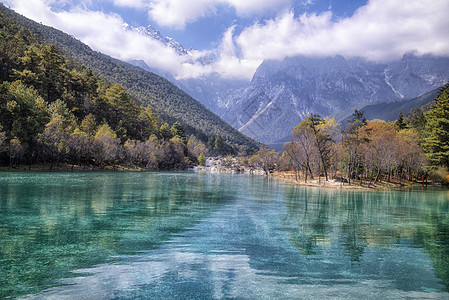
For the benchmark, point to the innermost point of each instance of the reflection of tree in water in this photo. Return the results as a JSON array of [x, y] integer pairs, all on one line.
[[313, 228], [357, 220], [354, 236], [435, 240], [65, 224]]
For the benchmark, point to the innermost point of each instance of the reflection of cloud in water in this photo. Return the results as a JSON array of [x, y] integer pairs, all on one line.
[[231, 276], [241, 251]]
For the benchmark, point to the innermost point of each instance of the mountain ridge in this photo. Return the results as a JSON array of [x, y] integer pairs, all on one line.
[[280, 94], [389, 111]]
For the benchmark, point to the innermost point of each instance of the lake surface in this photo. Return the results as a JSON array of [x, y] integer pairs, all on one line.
[[204, 236]]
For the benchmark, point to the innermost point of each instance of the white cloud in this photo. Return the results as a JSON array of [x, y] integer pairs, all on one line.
[[106, 33], [177, 13], [131, 3], [381, 30], [251, 7]]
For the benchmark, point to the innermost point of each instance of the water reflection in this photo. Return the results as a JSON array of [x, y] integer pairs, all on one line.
[[358, 221], [190, 236], [52, 223]]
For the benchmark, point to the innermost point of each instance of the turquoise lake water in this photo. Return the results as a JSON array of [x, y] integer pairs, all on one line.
[[139, 235]]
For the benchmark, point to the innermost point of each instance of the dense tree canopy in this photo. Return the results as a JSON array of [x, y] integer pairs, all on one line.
[[62, 102], [436, 143]]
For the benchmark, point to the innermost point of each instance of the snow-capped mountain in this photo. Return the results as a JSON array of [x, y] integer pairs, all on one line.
[[156, 35], [282, 93], [212, 90]]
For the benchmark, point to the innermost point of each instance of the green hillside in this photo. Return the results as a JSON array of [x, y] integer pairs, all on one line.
[[168, 101]]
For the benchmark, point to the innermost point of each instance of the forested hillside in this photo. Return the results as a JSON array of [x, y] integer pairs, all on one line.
[[54, 109], [168, 101]]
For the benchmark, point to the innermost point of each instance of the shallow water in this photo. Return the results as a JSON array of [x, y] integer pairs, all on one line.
[[203, 236]]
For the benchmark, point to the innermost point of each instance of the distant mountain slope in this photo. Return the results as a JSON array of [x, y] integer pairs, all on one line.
[[389, 111], [214, 91], [167, 100], [283, 92]]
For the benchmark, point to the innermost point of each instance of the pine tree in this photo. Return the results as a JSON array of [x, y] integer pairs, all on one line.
[[165, 132], [52, 73], [353, 141], [202, 159], [436, 144], [400, 123], [219, 144], [178, 131]]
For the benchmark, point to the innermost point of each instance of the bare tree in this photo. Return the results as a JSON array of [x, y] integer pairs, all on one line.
[[265, 159], [304, 147]]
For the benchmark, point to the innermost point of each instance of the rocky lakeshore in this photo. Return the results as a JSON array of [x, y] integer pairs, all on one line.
[[230, 165]]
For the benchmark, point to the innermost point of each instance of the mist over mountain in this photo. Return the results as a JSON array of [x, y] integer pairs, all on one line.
[[212, 90], [283, 92], [215, 92]]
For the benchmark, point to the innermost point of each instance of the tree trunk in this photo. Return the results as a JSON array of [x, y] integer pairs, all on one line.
[[349, 170], [377, 176], [306, 171], [310, 170]]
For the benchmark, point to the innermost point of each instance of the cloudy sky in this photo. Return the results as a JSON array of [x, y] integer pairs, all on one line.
[[239, 34]]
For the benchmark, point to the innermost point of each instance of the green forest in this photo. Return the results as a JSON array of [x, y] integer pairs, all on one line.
[[167, 101], [54, 110]]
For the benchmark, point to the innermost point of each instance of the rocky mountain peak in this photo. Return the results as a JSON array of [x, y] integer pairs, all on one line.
[[283, 92], [156, 35]]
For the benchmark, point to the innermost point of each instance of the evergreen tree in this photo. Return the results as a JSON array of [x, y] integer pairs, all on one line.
[[400, 123], [202, 159], [178, 131], [219, 144], [436, 144], [52, 73], [165, 132], [322, 138], [353, 141]]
